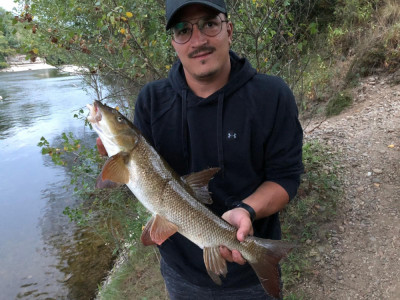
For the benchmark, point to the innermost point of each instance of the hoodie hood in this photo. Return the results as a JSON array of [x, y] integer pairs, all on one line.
[[241, 72]]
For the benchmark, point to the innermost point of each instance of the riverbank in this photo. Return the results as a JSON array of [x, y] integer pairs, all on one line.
[[19, 63], [27, 67], [43, 66]]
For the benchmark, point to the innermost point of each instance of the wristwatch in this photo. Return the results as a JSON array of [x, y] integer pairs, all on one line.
[[246, 207]]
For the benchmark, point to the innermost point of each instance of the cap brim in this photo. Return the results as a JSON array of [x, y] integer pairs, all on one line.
[[205, 3]]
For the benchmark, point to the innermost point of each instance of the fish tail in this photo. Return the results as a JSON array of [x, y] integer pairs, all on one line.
[[266, 265]]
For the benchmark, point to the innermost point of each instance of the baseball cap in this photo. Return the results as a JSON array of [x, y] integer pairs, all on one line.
[[172, 7]]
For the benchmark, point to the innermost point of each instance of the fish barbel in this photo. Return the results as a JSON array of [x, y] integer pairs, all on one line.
[[178, 203]]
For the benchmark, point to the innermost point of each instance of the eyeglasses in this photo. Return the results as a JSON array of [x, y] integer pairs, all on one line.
[[210, 26]]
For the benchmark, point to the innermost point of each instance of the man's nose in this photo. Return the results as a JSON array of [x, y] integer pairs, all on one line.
[[197, 36]]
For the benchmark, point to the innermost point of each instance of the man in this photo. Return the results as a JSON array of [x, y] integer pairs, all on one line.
[[214, 110]]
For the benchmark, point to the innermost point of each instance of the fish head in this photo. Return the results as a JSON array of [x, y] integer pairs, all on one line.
[[116, 132]]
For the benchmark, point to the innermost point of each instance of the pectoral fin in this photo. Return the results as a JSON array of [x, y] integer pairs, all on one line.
[[157, 230], [215, 263], [106, 184], [198, 182], [115, 169]]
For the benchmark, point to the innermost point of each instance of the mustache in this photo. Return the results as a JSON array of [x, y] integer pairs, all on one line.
[[200, 50]]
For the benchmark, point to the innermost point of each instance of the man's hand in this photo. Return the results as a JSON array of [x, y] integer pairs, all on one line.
[[239, 218], [100, 147]]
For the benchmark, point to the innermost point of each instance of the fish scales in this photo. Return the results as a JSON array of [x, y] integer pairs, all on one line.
[[166, 196]]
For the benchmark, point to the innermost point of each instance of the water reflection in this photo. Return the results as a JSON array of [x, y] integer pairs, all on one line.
[[42, 254], [83, 257], [24, 117]]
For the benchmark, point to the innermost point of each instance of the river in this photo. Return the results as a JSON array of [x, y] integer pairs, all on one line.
[[42, 254]]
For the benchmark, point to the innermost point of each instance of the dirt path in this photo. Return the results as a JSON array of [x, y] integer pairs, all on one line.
[[358, 256]]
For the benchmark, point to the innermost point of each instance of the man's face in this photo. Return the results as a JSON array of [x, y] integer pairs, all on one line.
[[204, 57]]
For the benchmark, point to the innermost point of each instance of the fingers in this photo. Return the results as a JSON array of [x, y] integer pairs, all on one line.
[[238, 258], [226, 253], [232, 256]]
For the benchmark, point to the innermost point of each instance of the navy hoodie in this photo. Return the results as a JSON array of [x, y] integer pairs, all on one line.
[[249, 128]]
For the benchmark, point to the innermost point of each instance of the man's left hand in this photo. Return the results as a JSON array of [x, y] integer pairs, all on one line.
[[239, 218]]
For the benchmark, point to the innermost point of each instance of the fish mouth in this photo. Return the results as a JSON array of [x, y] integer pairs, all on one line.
[[94, 113]]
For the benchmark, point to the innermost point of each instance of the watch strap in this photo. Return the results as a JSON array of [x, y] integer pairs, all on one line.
[[246, 207]]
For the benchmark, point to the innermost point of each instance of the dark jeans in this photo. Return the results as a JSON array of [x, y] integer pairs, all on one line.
[[181, 289]]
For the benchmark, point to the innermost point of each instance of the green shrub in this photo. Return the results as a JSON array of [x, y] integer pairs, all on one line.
[[338, 103]]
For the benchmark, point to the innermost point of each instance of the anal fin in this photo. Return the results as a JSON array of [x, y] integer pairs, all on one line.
[[145, 238]]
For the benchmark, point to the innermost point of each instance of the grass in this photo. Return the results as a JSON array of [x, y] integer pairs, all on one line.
[[364, 41], [379, 50], [314, 206], [137, 277]]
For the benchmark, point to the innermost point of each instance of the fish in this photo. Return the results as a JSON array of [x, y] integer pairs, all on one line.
[[178, 203]]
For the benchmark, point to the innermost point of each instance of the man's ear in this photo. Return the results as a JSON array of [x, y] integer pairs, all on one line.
[[229, 28]]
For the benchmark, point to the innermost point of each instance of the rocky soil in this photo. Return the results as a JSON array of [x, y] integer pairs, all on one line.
[[358, 255]]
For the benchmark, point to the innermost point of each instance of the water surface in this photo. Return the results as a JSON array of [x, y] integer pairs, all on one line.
[[42, 254]]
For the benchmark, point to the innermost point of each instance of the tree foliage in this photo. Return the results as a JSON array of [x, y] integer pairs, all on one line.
[[124, 43], [274, 34], [6, 39]]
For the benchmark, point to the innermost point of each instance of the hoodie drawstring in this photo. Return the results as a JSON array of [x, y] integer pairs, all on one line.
[[219, 132], [185, 128]]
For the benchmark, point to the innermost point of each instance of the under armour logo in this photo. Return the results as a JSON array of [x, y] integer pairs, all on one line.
[[231, 135]]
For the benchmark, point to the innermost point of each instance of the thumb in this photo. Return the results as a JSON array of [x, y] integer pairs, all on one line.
[[245, 229]]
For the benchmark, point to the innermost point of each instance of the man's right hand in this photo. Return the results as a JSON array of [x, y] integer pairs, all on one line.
[[101, 148], [240, 218]]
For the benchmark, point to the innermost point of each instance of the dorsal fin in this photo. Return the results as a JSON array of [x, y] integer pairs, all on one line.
[[198, 182]]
